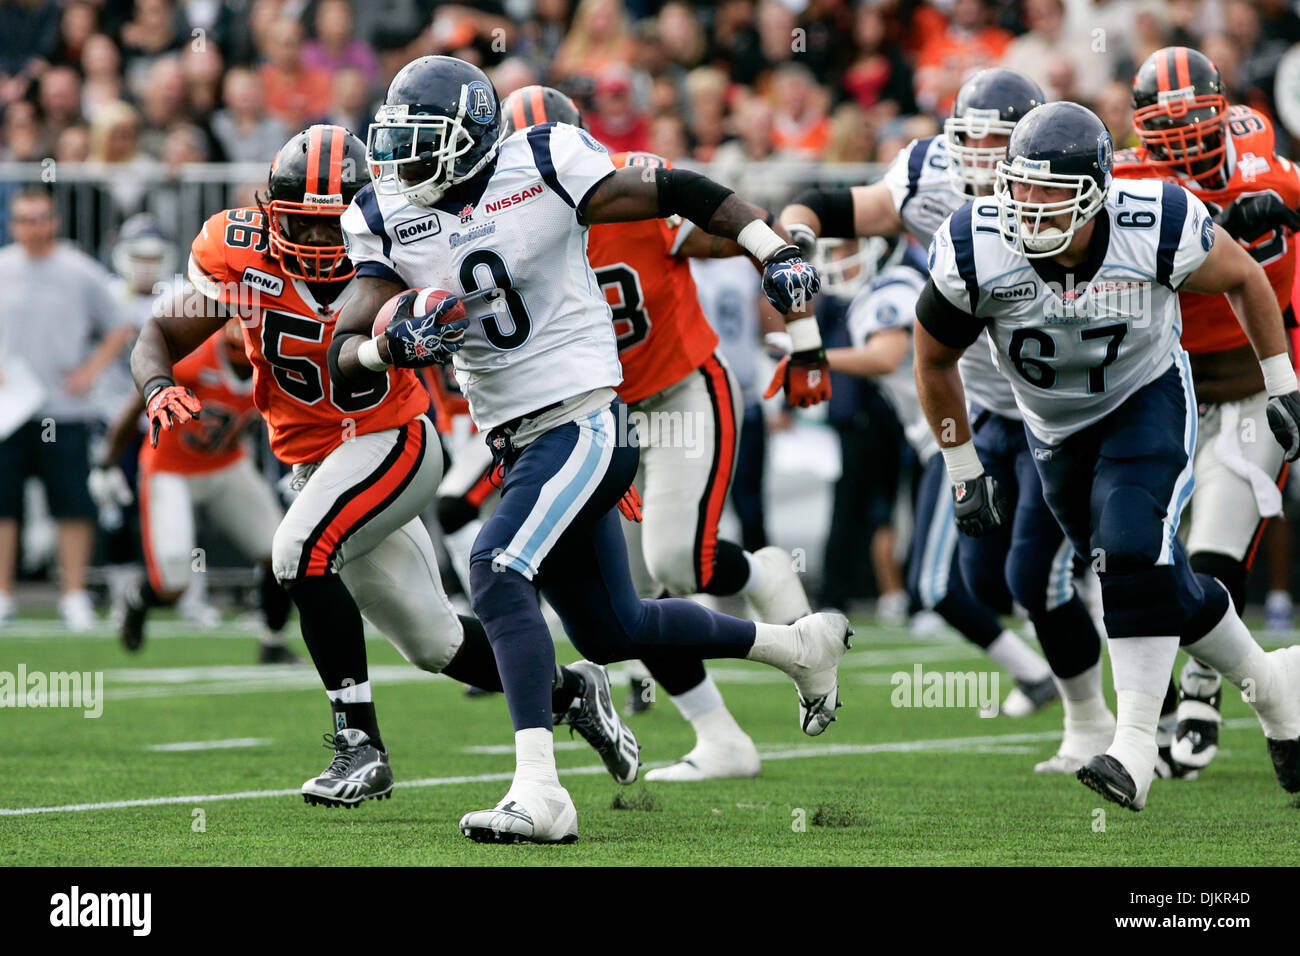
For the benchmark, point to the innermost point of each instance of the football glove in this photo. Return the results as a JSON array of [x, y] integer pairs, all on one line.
[[979, 506], [1249, 218], [109, 488], [789, 280], [170, 405], [630, 504], [804, 376], [803, 237], [420, 341], [1284, 421]]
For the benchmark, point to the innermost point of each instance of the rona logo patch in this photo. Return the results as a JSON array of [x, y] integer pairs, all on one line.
[[416, 229], [515, 199], [257, 279], [1014, 293]]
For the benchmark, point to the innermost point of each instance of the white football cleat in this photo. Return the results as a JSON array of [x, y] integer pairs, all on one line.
[[1082, 741], [528, 813], [1030, 697], [821, 640], [1196, 736], [713, 760], [78, 612], [776, 593]]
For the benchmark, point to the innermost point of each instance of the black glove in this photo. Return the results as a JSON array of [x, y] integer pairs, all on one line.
[[1284, 421], [1248, 219], [979, 506]]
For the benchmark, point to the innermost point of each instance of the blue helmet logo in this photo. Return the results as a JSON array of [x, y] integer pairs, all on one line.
[[1105, 152], [479, 103]]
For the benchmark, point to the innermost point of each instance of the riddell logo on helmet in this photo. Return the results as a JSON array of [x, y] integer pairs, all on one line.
[[322, 199]]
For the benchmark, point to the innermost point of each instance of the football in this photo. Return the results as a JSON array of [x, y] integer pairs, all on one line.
[[425, 301]]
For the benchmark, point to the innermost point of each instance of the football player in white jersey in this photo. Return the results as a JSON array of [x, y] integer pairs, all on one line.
[[928, 180], [458, 208], [1076, 278]]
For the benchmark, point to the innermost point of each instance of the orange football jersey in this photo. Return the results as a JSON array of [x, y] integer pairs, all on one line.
[[663, 335], [1208, 321], [287, 334], [213, 440]]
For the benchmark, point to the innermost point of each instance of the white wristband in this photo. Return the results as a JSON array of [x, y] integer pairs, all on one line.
[[1279, 374], [804, 334], [963, 462], [760, 241], [368, 355]]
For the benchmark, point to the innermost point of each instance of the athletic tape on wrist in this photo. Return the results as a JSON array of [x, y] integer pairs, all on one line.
[[1279, 374], [760, 241], [962, 462], [804, 334], [368, 355]]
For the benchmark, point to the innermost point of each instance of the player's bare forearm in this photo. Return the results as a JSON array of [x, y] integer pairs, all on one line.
[[880, 356], [1230, 270], [939, 388], [699, 244], [177, 327], [358, 316], [873, 213]]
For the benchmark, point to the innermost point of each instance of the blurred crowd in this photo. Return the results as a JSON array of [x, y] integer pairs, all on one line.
[[153, 84]]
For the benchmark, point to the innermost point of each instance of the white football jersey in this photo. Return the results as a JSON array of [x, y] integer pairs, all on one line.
[[550, 337], [1074, 345], [924, 196], [889, 302]]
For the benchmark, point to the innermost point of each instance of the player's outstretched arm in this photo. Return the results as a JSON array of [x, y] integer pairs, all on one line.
[[881, 355], [352, 329], [699, 244], [841, 214], [178, 326]]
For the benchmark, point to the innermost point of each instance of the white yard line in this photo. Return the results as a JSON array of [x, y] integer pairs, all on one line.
[[959, 744], [231, 744]]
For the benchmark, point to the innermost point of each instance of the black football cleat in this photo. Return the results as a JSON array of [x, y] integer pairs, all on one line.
[[276, 654], [133, 615], [1108, 777], [1286, 763], [592, 715], [640, 695]]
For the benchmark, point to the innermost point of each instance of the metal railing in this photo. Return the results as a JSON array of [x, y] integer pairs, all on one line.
[[93, 199]]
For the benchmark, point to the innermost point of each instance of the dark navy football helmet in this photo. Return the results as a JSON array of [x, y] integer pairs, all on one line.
[[439, 126], [990, 103], [533, 105], [1059, 146]]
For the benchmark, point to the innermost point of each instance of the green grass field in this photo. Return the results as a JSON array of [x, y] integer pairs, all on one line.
[[884, 785]]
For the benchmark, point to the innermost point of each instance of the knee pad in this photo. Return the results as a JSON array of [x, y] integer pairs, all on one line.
[[1230, 572], [1130, 530], [454, 513], [497, 592]]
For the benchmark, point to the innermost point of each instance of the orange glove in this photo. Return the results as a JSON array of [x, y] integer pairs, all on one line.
[[168, 406], [805, 377], [630, 504]]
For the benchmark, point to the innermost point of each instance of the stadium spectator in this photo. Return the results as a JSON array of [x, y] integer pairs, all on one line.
[[879, 78], [734, 44], [1048, 47], [101, 64], [669, 138], [115, 139], [1225, 55], [681, 35], [852, 136], [614, 118], [23, 141], [967, 44], [163, 103], [776, 34], [599, 37], [77, 25], [243, 131], [60, 100], [59, 328], [336, 46], [29, 35], [737, 162], [203, 68], [1261, 50], [298, 95], [706, 97], [1114, 104], [800, 126], [350, 105], [73, 144], [542, 36], [149, 35], [512, 74], [826, 25]]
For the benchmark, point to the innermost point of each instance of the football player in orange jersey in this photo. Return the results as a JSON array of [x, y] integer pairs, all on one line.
[[365, 460], [206, 469], [1225, 155], [687, 407]]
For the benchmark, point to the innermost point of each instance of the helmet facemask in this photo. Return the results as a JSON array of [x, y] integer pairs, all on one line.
[[1185, 132], [311, 262], [144, 262], [417, 156], [1027, 227], [847, 265], [974, 168]]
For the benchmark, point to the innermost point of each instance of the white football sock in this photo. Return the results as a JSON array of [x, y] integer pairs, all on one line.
[[1010, 652], [700, 699], [535, 756], [1141, 667], [1081, 696], [1231, 651], [752, 579], [774, 644]]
